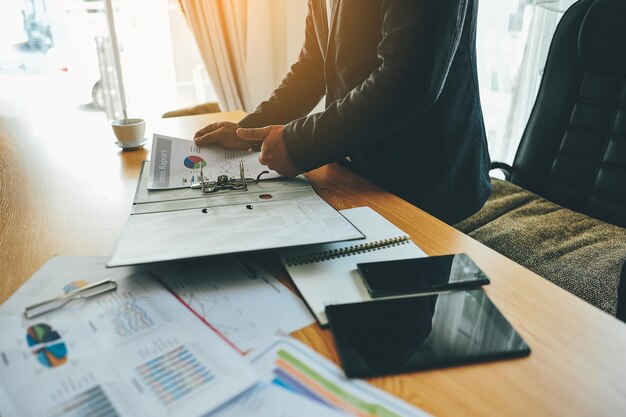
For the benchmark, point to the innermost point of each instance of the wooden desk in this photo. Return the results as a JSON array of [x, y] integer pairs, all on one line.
[[578, 360]]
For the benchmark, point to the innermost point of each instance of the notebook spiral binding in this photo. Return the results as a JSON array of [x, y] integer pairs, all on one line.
[[314, 257]]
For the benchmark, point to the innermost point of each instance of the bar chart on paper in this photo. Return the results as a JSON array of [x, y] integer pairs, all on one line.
[[129, 318], [297, 369], [124, 316], [174, 375], [93, 403], [294, 375]]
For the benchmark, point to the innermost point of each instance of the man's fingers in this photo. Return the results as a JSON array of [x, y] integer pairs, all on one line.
[[265, 157], [215, 136], [206, 139], [253, 134], [206, 129]]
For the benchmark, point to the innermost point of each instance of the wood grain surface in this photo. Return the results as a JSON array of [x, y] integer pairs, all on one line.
[[64, 192]]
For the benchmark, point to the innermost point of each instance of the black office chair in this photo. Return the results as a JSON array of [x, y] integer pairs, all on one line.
[[572, 153]]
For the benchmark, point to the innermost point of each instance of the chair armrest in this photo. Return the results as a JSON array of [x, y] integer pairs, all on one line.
[[505, 168]]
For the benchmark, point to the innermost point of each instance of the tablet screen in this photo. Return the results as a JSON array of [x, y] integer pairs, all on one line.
[[406, 334]]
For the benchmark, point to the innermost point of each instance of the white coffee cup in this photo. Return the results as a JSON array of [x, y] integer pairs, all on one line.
[[129, 132]]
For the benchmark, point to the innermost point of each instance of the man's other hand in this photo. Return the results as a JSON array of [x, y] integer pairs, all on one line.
[[273, 151], [224, 134]]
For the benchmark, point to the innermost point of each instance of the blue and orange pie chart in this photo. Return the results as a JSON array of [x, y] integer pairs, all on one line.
[[46, 345]]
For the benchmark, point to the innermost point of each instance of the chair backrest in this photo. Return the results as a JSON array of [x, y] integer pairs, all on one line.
[[573, 151]]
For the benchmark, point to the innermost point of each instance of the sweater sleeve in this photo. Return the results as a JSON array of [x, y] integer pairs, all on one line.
[[301, 89], [419, 41]]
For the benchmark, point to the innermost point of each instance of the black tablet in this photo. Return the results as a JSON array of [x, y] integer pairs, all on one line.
[[421, 275], [421, 332]]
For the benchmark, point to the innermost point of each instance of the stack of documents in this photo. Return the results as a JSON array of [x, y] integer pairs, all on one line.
[[143, 350], [134, 351]]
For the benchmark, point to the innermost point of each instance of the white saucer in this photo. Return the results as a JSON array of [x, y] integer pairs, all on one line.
[[139, 145]]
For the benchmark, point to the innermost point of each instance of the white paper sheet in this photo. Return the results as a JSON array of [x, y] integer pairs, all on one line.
[[177, 162], [134, 351], [237, 297]]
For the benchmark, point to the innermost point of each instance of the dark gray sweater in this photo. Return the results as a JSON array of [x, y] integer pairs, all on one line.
[[402, 100]]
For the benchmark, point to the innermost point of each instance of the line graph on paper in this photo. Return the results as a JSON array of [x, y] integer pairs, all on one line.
[[127, 317], [230, 166], [217, 309]]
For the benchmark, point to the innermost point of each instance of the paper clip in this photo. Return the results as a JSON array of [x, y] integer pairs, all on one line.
[[86, 292]]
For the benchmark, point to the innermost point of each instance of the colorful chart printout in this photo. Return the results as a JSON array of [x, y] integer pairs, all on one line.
[[296, 376], [91, 403], [74, 285], [46, 344], [174, 375], [194, 162]]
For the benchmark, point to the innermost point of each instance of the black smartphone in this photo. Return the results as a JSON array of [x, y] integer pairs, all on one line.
[[421, 275]]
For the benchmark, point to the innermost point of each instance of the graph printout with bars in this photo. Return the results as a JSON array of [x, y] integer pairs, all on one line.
[[174, 375], [93, 403], [133, 351], [327, 273], [303, 375]]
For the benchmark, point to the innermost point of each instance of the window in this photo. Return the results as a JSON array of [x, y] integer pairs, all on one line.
[[512, 45], [63, 48]]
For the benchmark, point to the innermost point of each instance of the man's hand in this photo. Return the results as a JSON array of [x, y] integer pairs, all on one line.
[[224, 134], [273, 151]]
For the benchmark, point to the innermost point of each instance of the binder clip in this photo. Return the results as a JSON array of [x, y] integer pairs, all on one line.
[[223, 182]]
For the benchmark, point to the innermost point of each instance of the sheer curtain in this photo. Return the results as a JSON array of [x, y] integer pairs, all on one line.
[[512, 44], [220, 30]]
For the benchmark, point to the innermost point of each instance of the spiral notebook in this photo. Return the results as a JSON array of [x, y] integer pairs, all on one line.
[[327, 274]]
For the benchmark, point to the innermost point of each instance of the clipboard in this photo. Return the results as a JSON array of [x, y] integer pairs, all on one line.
[[186, 223]]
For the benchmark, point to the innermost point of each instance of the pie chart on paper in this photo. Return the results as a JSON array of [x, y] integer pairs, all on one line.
[[46, 345], [194, 162], [74, 285]]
